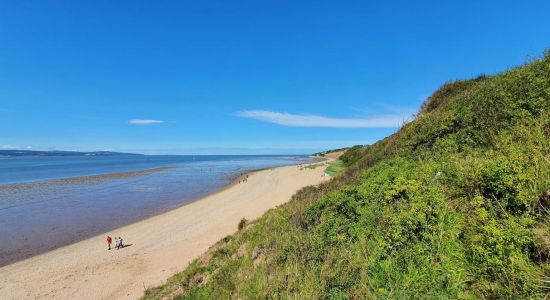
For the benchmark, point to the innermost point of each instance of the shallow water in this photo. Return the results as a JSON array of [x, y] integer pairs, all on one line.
[[48, 202]]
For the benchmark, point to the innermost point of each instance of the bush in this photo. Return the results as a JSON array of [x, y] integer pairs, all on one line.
[[242, 223]]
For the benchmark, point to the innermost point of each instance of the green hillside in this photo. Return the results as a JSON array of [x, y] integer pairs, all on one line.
[[453, 205]]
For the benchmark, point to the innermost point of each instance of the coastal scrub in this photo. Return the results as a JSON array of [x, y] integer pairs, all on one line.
[[453, 205]]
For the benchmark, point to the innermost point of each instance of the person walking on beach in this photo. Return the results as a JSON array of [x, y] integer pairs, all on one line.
[[119, 243], [109, 241]]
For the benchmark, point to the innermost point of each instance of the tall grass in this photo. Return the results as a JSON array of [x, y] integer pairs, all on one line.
[[335, 167]]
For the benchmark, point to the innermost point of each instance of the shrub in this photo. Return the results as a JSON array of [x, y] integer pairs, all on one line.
[[242, 223]]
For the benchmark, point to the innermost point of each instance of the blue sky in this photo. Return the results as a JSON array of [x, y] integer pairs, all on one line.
[[217, 77]]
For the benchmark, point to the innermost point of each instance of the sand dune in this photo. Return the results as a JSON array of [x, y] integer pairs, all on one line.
[[160, 246]]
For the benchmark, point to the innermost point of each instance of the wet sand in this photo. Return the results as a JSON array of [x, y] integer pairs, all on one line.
[[14, 187], [158, 247]]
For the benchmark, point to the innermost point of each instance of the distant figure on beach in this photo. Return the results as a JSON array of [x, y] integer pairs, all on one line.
[[120, 244], [109, 241]]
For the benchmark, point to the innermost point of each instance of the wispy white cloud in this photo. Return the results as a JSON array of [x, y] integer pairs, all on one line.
[[9, 147], [308, 120], [144, 122]]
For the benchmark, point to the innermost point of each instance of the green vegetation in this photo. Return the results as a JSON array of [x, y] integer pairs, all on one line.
[[335, 167], [352, 155], [312, 166], [242, 223], [453, 205]]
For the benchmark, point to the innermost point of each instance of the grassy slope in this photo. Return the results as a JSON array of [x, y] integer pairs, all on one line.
[[451, 206], [335, 167]]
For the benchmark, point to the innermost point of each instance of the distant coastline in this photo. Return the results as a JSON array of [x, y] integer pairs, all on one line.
[[17, 153]]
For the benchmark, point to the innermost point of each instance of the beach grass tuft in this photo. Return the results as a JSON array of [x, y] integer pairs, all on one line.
[[242, 223]]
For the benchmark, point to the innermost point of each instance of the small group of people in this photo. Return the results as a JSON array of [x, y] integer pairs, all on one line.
[[118, 243], [245, 179]]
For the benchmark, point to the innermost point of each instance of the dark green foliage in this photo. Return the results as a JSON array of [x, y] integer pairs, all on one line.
[[352, 155], [446, 92], [454, 205], [242, 223]]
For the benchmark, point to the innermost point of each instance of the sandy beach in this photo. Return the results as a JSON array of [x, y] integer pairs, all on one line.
[[157, 247]]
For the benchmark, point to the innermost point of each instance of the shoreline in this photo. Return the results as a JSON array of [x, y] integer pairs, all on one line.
[[165, 242], [104, 177]]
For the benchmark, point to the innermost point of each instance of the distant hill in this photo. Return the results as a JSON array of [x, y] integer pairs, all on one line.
[[454, 205], [335, 153], [12, 153]]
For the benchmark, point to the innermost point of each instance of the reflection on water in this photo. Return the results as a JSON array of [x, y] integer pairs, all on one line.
[[37, 215]]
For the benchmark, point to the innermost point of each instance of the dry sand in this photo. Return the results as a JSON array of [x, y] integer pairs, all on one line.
[[160, 246]]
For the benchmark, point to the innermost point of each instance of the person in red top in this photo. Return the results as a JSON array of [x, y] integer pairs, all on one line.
[[109, 241]]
